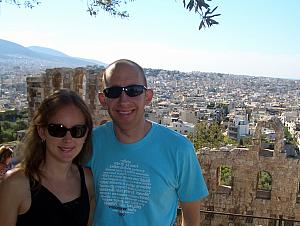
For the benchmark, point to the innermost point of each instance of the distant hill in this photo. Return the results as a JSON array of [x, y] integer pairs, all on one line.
[[11, 48], [47, 51], [36, 59]]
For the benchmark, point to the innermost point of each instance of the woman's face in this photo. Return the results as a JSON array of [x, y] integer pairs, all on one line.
[[62, 145]]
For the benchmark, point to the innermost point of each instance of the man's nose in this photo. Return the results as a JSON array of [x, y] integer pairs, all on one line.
[[124, 96]]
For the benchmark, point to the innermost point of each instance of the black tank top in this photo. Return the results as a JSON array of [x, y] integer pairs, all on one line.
[[47, 210]]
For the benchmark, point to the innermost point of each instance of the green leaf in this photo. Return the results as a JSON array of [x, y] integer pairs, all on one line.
[[214, 9], [190, 5]]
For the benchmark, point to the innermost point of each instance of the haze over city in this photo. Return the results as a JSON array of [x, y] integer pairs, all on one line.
[[259, 38]]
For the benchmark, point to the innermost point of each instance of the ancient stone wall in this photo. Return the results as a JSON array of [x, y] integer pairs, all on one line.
[[244, 196], [85, 81]]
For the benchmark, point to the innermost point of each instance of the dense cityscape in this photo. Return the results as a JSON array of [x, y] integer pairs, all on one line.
[[183, 99]]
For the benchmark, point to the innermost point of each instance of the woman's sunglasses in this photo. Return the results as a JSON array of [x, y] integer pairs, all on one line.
[[59, 130], [131, 91]]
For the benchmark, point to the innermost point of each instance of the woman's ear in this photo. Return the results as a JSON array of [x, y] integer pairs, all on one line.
[[41, 131], [102, 100]]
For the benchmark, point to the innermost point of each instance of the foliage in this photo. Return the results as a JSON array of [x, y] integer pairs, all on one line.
[[228, 140], [290, 140], [110, 6], [9, 129], [207, 135], [8, 135], [288, 136], [13, 115], [10, 122], [264, 181], [245, 141], [113, 7], [1, 136], [203, 9], [26, 3], [226, 176]]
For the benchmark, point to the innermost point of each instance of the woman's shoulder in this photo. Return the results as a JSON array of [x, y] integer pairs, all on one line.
[[15, 179], [15, 191]]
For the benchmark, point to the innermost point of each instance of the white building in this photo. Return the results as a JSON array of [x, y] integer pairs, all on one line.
[[239, 127], [182, 127]]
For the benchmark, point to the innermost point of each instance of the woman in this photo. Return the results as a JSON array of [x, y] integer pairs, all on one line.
[[6, 154], [50, 188]]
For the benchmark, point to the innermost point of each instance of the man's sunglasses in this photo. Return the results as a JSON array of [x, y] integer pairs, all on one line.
[[59, 130], [131, 91]]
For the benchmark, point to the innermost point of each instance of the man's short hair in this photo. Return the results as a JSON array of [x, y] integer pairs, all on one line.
[[120, 62]]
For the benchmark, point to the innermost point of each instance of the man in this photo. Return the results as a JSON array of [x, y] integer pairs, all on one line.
[[141, 169]]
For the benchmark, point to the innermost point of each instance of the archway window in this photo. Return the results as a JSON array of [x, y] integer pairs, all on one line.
[[57, 81], [225, 179], [267, 142], [264, 185]]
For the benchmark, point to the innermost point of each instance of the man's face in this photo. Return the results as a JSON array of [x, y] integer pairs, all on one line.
[[126, 112]]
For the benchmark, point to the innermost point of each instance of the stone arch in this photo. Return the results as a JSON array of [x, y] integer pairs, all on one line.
[[276, 125], [56, 80], [67, 78], [78, 81]]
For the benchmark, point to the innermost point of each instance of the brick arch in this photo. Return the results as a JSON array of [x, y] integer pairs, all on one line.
[[275, 124]]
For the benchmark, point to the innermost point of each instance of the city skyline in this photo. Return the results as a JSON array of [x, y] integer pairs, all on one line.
[[257, 38]]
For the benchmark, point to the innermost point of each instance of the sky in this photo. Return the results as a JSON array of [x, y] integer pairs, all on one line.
[[257, 37]]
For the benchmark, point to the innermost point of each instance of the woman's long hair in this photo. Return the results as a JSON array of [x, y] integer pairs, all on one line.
[[33, 148]]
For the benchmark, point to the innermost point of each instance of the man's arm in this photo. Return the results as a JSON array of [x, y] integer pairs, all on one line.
[[191, 213]]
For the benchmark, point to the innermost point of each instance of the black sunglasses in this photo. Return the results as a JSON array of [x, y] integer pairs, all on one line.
[[59, 130], [131, 91]]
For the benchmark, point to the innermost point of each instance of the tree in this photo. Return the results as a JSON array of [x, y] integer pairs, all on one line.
[[1, 135], [207, 135], [113, 7], [288, 136]]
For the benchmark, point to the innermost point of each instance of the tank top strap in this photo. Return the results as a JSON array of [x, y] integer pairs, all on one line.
[[82, 178]]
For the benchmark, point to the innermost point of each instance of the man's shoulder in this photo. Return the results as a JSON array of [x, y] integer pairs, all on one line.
[[163, 130]]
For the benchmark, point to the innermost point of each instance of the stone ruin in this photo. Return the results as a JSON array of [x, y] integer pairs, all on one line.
[[244, 196], [85, 81]]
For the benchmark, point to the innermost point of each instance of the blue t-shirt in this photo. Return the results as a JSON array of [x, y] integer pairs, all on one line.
[[141, 183]]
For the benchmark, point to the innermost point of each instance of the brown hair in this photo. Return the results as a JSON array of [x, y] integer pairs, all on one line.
[[33, 148], [5, 153]]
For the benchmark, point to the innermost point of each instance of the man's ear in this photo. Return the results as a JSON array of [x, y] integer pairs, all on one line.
[[102, 100], [149, 96]]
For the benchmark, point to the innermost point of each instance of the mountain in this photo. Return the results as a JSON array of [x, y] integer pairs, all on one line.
[[36, 59], [47, 51], [11, 48]]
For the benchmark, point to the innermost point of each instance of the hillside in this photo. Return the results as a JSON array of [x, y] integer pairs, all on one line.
[[35, 59]]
